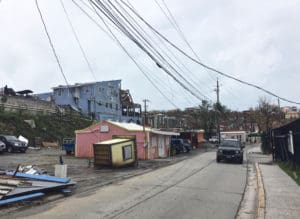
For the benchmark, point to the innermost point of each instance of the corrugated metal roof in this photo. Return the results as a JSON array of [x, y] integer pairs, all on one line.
[[113, 141], [164, 132], [130, 126]]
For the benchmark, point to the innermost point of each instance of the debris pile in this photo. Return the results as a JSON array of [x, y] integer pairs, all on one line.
[[30, 182]]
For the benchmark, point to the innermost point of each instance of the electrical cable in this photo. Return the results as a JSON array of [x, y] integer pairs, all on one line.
[[135, 62], [51, 44], [176, 26], [109, 15], [78, 41], [206, 66], [137, 26]]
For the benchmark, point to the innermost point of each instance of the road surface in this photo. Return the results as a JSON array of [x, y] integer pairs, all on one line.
[[197, 187]]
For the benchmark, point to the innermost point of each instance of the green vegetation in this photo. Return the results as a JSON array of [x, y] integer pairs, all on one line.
[[52, 127], [291, 170]]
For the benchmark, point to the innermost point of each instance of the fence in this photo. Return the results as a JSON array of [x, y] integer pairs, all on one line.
[[286, 142]]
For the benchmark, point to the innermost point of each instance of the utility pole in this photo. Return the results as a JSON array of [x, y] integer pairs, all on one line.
[[145, 112], [218, 92], [217, 110], [144, 130]]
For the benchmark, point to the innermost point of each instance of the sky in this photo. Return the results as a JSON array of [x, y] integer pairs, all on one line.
[[256, 41]]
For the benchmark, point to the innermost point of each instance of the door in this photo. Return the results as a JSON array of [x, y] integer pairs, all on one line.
[[161, 146]]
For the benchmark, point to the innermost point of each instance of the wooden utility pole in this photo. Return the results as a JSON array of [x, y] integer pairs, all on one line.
[[145, 112], [217, 109], [145, 123]]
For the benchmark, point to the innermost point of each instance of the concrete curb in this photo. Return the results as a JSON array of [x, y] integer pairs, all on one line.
[[260, 214]]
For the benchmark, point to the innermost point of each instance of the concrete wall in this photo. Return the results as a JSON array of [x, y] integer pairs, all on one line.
[[28, 104]]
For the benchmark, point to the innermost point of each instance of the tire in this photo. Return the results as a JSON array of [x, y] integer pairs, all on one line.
[[218, 160], [241, 160], [10, 149], [22, 151]]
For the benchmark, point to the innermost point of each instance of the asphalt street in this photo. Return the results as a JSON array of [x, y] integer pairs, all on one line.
[[197, 187]]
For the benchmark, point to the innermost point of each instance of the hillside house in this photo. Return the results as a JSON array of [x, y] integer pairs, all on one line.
[[101, 100]]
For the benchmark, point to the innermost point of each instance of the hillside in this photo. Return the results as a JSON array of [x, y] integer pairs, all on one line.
[[46, 127]]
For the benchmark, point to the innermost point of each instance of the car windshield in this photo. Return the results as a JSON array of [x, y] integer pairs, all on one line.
[[228, 143], [11, 138]]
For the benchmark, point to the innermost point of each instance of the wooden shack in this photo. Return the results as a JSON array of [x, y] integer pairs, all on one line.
[[115, 152]]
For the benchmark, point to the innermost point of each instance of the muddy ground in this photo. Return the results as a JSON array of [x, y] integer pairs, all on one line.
[[82, 171]]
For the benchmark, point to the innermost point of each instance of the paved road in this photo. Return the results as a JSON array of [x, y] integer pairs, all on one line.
[[194, 188]]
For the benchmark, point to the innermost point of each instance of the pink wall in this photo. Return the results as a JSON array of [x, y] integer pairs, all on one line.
[[86, 138]]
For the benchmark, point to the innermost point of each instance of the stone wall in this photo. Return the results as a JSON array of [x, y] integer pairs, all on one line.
[[27, 104]]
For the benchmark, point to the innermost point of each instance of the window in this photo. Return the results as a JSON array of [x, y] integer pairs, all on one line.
[[76, 100], [117, 107], [106, 105], [110, 105], [59, 92], [127, 152]]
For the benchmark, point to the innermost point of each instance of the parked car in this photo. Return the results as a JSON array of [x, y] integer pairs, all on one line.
[[68, 145], [180, 145], [2, 147], [214, 140], [230, 149], [187, 144], [12, 143]]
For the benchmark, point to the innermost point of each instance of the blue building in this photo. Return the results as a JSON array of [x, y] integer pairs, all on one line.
[[101, 100]]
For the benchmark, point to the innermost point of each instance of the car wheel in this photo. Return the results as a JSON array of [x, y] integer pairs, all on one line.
[[22, 151], [218, 160], [241, 161], [9, 149]]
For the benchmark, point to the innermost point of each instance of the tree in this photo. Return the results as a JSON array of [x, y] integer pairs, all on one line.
[[267, 115]]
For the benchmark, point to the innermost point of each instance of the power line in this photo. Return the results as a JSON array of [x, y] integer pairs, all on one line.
[[148, 44], [115, 21], [77, 39], [176, 26], [51, 44], [174, 62], [135, 62], [204, 65]]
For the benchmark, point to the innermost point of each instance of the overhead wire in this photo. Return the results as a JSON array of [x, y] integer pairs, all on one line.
[[165, 53], [131, 57], [160, 57], [51, 43], [204, 65], [78, 41], [180, 33], [176, 26], [137, 25], [110, 16]]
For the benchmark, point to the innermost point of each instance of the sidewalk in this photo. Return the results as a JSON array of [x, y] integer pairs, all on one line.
[[282, 194]]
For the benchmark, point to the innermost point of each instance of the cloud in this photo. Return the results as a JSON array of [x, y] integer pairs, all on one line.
[[252, 40]]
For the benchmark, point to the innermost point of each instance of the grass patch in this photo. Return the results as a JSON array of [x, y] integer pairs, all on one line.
[[291, 170]]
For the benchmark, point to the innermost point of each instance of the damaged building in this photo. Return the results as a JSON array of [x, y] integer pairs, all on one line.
[[104, 100]]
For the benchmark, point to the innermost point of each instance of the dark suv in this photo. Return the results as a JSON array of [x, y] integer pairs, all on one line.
[[13, 144], [180, 145], [230, 149]]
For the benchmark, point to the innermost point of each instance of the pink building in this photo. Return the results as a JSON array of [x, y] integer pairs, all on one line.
[[151, 143]]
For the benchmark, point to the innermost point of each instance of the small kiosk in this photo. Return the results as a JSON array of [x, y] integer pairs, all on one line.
[[115, 152]]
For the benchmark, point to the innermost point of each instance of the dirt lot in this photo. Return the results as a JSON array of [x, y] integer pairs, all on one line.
[[88, 178]]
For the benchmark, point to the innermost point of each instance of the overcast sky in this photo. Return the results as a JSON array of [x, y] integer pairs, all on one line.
[[256, 41]]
